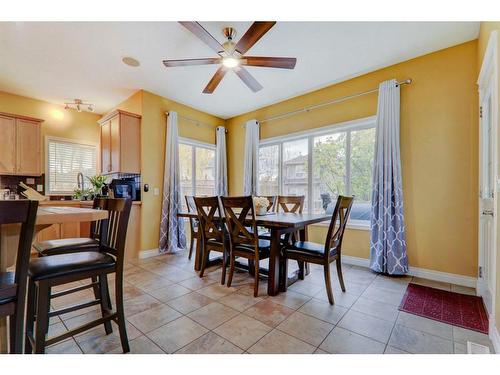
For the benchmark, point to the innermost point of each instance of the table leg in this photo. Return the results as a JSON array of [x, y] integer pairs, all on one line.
[[199, 252], [304, 237], [274, 259]]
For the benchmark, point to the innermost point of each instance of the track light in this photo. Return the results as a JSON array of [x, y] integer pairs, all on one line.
[[77, 104]]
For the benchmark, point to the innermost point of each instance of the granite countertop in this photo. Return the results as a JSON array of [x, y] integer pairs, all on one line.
[[74, 202]]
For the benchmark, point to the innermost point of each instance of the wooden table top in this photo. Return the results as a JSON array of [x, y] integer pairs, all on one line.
[[54, 215], [279, 219]]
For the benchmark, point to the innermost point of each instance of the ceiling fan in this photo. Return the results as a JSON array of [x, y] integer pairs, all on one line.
[[232, 55]]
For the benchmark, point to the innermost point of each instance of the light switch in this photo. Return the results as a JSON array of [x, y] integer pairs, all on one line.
[[30, 180], [156, 191], [39, 187]]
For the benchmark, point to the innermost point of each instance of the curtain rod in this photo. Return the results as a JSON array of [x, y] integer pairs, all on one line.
[[197, 122], [338, 100]]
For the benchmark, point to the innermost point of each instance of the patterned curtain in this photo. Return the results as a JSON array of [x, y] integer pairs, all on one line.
[[172, 235], [388, 238], [250, 172], [220, 162]]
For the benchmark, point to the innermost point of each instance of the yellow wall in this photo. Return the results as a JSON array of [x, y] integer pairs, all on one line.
[[153, 109], [438, 144], [484, 33], [59, 122]]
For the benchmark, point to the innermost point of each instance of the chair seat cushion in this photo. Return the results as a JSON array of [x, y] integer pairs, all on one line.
[[8, 287], [264, 248], [305, 248], [66, 246], [69, 264]]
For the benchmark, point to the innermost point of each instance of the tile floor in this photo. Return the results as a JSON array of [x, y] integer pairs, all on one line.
[[171, 310]]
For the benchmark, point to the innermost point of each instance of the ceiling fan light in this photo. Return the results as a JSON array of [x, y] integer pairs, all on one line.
[[230, 62]]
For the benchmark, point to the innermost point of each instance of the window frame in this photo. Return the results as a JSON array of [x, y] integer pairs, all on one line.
[[348, 127], [195, 143], [48, 139]]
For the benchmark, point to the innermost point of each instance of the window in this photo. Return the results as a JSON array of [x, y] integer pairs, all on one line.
[[65, 159], [197, 168], [322, 164]]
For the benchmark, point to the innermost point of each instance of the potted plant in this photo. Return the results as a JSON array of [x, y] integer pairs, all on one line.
[[260, 204], [97, 182]]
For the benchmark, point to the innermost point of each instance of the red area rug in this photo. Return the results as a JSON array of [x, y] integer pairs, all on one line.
[[457, 309]]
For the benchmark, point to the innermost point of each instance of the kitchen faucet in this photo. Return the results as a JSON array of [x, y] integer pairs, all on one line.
[[79, 180]]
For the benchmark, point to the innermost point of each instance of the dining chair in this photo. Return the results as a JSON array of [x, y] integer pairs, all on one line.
[[51, 271], [13, 284], [73, 245], [193, 223], [291, 203], [311, 252], [243, 236], [211, 228]]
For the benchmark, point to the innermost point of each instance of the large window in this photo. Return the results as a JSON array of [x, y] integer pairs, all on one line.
[[65, 159], [320, 165], [197, 168]]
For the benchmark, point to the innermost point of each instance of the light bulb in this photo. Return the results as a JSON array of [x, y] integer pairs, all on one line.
[[230, 62]]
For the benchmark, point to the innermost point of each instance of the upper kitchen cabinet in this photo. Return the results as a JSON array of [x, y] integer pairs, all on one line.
[[120, 143], [21, 143]]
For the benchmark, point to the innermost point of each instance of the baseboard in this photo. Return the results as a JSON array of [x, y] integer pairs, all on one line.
[[494, 335], [143, 254], [420, 272]]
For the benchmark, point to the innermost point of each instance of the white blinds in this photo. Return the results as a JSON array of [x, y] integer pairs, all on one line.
[[65, 160]]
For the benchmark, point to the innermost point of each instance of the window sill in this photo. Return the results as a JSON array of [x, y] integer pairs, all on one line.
[[353, 226]]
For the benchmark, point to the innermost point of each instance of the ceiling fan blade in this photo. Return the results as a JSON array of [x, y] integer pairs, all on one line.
[[203, 34], [214, 82], [253, 34], [270, 62], [248, 79], [186, 62]]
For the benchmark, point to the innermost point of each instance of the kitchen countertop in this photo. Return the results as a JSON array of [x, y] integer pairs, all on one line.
[[74, 202]]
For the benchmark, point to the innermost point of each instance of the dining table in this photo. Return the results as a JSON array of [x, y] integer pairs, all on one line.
[[278, 224], [46, 216]]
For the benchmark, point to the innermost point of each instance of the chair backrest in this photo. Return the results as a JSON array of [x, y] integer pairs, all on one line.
[[191, 207], [272, 202], [114, 228], [291, 203], [209, 217], [21, 212], [95, 226], [338, 224], [240, 220]]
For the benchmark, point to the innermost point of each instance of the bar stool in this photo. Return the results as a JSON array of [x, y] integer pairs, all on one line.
[[50, 271], [13, 285]]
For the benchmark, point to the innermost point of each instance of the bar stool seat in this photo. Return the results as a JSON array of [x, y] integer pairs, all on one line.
[[66, 246], [68, 264], [8, 287]]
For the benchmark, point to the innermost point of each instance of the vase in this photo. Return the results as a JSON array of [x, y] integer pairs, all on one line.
[[260, 211]]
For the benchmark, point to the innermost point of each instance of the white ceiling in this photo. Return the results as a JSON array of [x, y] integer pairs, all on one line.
[[57, 62]]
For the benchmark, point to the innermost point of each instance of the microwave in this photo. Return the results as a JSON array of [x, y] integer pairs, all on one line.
[[125, 188]]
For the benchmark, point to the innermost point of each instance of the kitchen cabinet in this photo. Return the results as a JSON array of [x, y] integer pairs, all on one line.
[[120, 143], [21, 145]]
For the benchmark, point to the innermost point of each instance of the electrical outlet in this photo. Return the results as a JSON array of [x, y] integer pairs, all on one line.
[[39, 187], [156, 191], [30, 181]]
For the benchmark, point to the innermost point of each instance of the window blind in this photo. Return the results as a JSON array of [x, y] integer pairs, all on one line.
[[65, 160]]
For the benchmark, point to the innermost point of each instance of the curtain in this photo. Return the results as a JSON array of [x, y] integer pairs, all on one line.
[[250, 172], [388, 237], [172, 235], [220, 162]]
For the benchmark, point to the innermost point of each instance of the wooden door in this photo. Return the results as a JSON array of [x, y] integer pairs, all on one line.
[[115, 144], [28, 147], [8, 148], [106, 147]]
